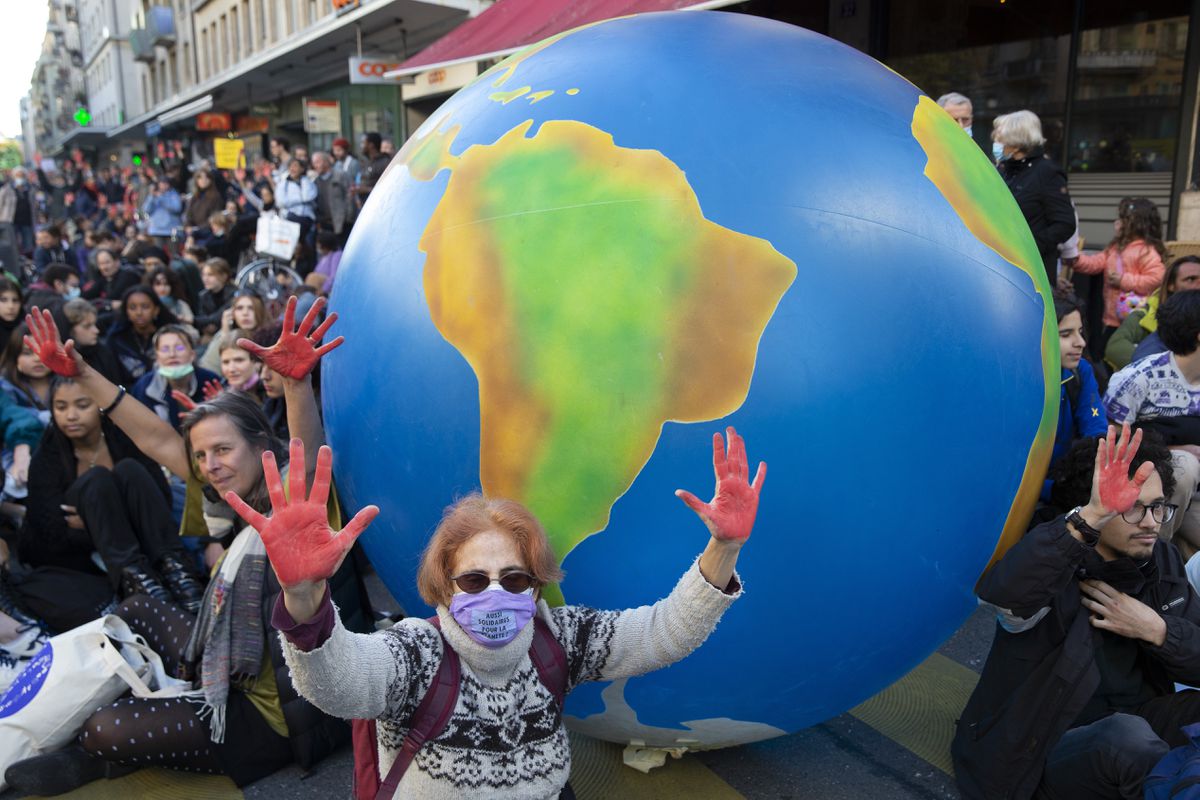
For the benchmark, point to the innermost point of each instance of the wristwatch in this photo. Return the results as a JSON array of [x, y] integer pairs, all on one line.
[[1090, 535]]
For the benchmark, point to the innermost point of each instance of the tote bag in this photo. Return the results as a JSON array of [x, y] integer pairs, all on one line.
[[276, 236]]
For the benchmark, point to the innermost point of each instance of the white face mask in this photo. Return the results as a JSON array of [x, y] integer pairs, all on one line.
[[969, 132]]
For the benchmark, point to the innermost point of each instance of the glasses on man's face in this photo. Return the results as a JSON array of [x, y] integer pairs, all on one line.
[[476, 582], [1160, 511], [167, 349]]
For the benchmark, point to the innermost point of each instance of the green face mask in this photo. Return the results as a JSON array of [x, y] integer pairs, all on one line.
[[176, 371]]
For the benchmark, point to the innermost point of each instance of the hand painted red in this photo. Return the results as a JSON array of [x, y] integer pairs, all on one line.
[[212, 389], [183, 400], [43, 339], [1116, 491], [296, 352], [729, 516], [299, 542]]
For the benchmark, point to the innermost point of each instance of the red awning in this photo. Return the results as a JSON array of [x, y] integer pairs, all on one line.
[[509, 25]]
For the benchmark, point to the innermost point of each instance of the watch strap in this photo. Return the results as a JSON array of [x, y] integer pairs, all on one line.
[[1090, 534]]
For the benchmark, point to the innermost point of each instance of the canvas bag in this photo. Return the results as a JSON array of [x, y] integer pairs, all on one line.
[[76, 673], [276, 236], [1126, 301]]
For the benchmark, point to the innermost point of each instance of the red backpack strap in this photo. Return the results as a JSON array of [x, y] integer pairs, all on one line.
[[366, 759], [430, 718], [550, 660]]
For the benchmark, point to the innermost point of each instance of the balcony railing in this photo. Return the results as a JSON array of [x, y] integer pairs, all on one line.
[[160, 24], [142, 44]]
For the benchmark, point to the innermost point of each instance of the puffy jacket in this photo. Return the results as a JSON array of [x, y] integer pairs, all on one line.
[[163, 211], [1141, 270], [1041, 670], [1040, 188]]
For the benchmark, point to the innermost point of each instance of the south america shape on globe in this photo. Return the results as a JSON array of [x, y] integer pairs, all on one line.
[[582, 281]]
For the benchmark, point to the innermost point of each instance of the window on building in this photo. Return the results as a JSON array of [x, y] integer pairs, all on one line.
[[235, 35], [289, 19], [188, 78], [223, 42], [248, 26], [175, 87], [206, 61]]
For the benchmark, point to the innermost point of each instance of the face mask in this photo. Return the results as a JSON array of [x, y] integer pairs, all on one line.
[[174, 372], [998, 152], [72, 293], [969, 132], [493, 617]]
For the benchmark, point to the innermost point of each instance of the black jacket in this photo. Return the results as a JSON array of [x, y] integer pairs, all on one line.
[[1040, 188], [1036, 682]]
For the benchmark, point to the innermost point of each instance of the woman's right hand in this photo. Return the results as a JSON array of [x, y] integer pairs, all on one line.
[[1113, 491], [301, 546], [43, 339], [227, 320]]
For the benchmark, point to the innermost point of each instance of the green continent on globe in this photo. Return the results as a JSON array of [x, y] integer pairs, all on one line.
[[594, 302], [985, 205]]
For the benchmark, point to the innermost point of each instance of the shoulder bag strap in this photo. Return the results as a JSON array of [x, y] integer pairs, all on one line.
[[430, 718], [550, 660]]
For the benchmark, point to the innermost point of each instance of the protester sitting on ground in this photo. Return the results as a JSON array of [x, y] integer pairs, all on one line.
[[241, 729], [50, 249], [76, 319], [218, 293], [1096, 623], [1162, 393], [57, 284], [329, 256], [11, 307], [92, 490], [163, 208], [274, 404], [215, 239], [244, 315], [1037, 183], [168, 285], [1080, 412], [188, 268], [20, 432], [174, 371], [1133, 261], [109, 282], [205, 201], [132, 335], [484, 544], [23, 377], [240, 370], [1138, 335]]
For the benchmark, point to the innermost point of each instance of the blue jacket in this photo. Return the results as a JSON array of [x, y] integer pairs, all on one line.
[[163, 211], [1085, 418], [155, 393]]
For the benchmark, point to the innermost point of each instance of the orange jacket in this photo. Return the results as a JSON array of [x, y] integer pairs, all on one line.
[[1142, 274]]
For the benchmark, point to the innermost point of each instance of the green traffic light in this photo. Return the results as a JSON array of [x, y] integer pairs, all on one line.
[[137, 161], [83, 117]]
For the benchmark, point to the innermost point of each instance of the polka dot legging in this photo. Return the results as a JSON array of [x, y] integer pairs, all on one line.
[[165, 733]]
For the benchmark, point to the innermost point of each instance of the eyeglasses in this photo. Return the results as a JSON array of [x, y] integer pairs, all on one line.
[[1162, 512], [476, 582], [167, 349]]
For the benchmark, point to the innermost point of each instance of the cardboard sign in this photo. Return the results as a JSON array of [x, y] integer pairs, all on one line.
[[229, 153]]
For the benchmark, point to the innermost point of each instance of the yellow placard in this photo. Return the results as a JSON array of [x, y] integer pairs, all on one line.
[[229, 153]]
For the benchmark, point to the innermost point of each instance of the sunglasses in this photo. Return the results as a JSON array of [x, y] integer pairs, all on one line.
[[511, 582]]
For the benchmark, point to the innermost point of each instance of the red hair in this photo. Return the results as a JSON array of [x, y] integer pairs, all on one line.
[[475, 514]]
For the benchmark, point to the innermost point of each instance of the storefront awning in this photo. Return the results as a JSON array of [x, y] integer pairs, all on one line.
[[509, 25]]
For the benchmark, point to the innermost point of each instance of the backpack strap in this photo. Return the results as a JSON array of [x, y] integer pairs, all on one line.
[[550, 660], [431, 716]]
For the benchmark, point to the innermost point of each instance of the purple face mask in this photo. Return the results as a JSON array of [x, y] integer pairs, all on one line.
[[493, 617]]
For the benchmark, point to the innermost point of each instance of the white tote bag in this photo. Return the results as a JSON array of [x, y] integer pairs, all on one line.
[[75, 674], [276, 236]]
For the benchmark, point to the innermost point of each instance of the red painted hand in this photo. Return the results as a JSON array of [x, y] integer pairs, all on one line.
[[185, 402], [729, 516], [299, 542], [298, 351], [43, 339], [212, 389], [1112, 487]]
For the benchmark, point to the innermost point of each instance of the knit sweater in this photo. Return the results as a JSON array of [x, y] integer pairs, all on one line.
[[505, 738]]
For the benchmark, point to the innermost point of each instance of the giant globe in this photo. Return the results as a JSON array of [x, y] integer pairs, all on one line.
[[628, 236]]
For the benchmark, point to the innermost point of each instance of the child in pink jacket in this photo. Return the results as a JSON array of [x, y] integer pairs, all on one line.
[[1139, 267]]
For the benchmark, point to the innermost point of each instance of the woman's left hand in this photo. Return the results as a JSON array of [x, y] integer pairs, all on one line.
[[729, 516], [297, 351]]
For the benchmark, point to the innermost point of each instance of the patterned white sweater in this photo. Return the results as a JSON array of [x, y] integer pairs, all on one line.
[[505, 738]]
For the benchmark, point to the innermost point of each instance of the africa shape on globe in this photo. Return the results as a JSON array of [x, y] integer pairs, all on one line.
[[620, 240]]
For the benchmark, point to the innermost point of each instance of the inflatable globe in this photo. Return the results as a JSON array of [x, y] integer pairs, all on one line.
[[624, 238]]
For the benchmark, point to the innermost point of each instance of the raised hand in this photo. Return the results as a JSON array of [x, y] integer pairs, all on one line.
[[212, 388], [299, 542], [729, 516], [184, 400], [298, 351], [43, 339], [1113, 491]]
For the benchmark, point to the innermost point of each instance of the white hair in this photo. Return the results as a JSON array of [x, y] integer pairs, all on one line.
[[1020, 129], [954, 99]]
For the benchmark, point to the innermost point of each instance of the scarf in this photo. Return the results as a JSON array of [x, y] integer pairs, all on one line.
[[228, 636], [1123, 574]]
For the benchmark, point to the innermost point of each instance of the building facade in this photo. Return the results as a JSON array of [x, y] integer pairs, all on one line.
[[109, 74], [57, 91]]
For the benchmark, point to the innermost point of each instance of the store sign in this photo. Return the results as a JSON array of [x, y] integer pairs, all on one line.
[[322, 116], [213, 121], [252, 124], [372, 70], [267, 109], [440, 81]]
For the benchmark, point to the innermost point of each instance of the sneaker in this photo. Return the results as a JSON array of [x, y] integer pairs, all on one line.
[[187, 590], [29, 642], [137, 579], [10, 668], [60, 772]]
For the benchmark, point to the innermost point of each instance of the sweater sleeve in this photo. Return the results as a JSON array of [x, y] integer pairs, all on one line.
[[1143, 270], [1058, 211], [19, 425], [607, 645], [1090, 419], [1091, 263], [366, 676], [1119, 350]]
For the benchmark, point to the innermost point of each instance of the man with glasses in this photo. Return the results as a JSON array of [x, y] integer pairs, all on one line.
[[1162, 393], [1096, 622]]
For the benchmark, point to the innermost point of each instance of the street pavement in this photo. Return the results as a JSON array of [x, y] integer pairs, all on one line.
[[894, 746]]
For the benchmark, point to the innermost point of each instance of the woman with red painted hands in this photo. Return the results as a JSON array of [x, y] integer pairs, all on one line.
[[245, 720], [494, 640]]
